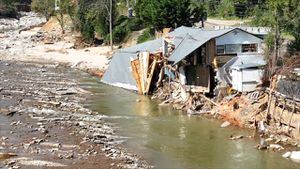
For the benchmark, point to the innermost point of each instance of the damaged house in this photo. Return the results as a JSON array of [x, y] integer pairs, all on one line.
[[196, 57]]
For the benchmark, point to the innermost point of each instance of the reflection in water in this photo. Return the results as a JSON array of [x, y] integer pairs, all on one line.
[[168, 139]]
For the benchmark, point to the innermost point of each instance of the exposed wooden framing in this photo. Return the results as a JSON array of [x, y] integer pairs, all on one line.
[[293, 111], [160, 77], [281, 114], [211, 51], [144, 61], [135, 65], [272, 86], [149, 79], [274, 109], [289, 101]]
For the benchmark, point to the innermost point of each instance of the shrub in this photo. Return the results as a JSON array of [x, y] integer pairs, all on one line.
[[119, 34], [121, 20], [135, 24], [147, 35]]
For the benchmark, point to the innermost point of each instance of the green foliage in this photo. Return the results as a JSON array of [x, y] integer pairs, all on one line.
[[123, 27], [7, 8], [119, 34], [94, 13], [147, 35], [212, 6], [167, 13], [269, 41], [44, 7], [281, 15], [88, 33], [226, 9], [121, 20], [8, 3], [135, 24]]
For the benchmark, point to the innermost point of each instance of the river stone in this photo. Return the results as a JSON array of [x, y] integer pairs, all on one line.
[[276, 147], [287, 154], [225, 124], [295, 155]]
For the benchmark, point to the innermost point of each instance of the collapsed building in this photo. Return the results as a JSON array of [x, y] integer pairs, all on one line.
[[185, 66], [199, 59]]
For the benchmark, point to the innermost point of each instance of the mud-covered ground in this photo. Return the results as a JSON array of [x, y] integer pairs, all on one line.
[[43, 122]]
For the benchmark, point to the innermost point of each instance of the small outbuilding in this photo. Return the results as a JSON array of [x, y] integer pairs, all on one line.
[[246, 77]]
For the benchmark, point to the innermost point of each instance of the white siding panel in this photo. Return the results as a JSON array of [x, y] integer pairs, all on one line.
[[237, 37], [246, 80], [251, 75]]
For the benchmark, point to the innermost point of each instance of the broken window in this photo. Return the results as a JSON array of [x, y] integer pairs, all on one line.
[[232, 48], [220, 49], [249, 48]]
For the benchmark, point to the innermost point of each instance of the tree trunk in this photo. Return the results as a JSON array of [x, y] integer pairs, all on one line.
[[277, 39], [110, 25]]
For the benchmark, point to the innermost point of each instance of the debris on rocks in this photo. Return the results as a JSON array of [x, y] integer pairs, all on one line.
[[236, 137], [4, 156], [225, 124], [275, 147]]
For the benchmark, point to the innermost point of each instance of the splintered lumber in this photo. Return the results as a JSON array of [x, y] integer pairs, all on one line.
[[283, 108], [144, 64], [160, 77], [149, 79], [135, 65], [272, 86], [216, 104], [292, 115]]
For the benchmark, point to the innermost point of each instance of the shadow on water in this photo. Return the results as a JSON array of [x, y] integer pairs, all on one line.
[[169, 139]]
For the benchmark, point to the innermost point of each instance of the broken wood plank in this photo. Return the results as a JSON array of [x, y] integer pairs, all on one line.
[[216, 104], [136, 74], [149, 79], [144, 64]]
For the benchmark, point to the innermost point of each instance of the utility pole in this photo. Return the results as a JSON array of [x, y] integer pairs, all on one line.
[[110, 25]]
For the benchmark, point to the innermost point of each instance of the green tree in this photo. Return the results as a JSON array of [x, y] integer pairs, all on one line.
[[64, 7], [226, 9], [7, 8], [94, 17], [44, 7], [167, 13], [282, 16], [211, 6]]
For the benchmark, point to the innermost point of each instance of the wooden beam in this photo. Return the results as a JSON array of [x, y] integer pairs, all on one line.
[[216, 104], [135, 64], [149, 79]]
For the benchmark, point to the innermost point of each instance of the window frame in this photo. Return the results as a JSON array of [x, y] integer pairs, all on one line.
[[256, 48], [218, 49]]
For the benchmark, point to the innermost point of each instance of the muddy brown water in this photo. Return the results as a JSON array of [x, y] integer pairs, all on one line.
[[169, 139]]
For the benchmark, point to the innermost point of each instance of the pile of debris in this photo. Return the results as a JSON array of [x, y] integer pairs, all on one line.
[[172, 93]]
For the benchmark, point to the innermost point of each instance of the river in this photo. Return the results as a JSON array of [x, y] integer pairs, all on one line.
[[167, 138]]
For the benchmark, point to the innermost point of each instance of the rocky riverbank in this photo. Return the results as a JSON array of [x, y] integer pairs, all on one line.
[[43, 119], [44, 123]]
